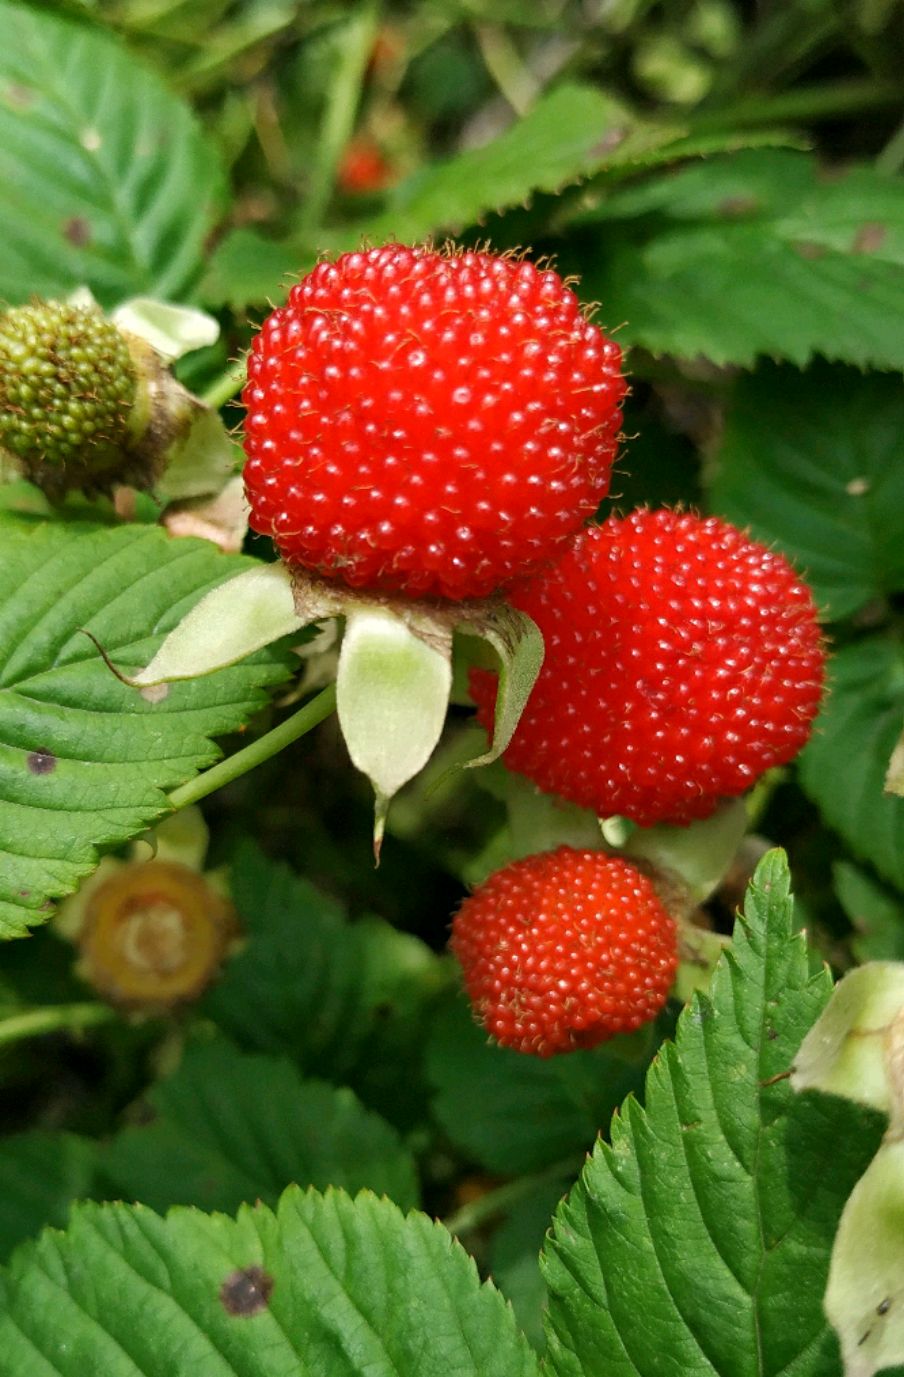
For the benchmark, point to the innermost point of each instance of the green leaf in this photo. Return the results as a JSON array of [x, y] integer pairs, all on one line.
[[228, 1128], [711, 1214], [824, 479], [40, 1175], [107, 178], [349, 1001], [85, 761], [755, 254], [571, 132], [325, 1287], [876, 913], [514, 1113], [843, 766]]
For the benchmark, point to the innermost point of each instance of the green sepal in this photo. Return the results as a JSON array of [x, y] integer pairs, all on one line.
[[853, 1048], [518, 643], [230, 622], [864, 1299], [392, 688]]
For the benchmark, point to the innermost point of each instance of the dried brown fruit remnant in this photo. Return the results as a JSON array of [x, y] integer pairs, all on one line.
[[154, 936]]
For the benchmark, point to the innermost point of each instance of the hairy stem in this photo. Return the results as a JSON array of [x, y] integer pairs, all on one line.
[[256, 752], [340, 112], [498, 1201], [224, 388], [56, 1018]]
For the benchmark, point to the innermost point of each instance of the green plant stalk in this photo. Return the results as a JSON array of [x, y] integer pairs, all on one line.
[[503, 1198], [256, 752], [891, 159], [340, 112], [817, 101], [515, 81], [55, 1018], [224, 388]]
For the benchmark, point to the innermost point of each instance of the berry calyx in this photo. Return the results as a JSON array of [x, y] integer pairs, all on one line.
[[683, 659], [67, 389], [428, 423], [564, 950]]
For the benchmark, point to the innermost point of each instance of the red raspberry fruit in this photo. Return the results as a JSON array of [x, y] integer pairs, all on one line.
[[683, 659], [564, 950], [428, 423]]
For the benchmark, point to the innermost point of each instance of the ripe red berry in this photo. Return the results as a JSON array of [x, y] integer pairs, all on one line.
[[683, 659], [564, 950], [428, 423]]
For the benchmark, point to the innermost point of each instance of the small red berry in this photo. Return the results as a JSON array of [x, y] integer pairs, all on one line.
[[564, 950], [428, 423], [683, 659], [363, 168]]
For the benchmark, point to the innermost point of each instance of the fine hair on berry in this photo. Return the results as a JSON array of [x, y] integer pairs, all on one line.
[[683, 659], [563, 950], [432, 424]]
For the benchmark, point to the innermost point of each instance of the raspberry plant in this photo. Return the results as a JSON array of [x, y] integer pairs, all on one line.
[[589, 615]]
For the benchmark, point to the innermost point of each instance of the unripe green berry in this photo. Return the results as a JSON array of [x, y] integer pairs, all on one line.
[[67, 389]]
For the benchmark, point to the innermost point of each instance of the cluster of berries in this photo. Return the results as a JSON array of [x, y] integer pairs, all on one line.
[[444, 425]]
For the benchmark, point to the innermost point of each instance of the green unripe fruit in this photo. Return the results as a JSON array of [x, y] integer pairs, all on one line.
[[68, 386]]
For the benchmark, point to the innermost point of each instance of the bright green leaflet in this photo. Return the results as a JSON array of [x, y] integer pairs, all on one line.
[[348, 1001], [85, 761], [754, 254], [514, 1113], [325, 1287], [107, 177], [704, 1230], [824, 478], [231, 1128], [843, 766]]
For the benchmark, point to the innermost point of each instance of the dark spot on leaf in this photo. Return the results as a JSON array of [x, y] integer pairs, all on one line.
[[771, 1034], [41, 761], [735, 206], [807, 249], [17, 96], [869, 237], [884, 1306], [77, 230], [610, 141], [246, 1292]]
